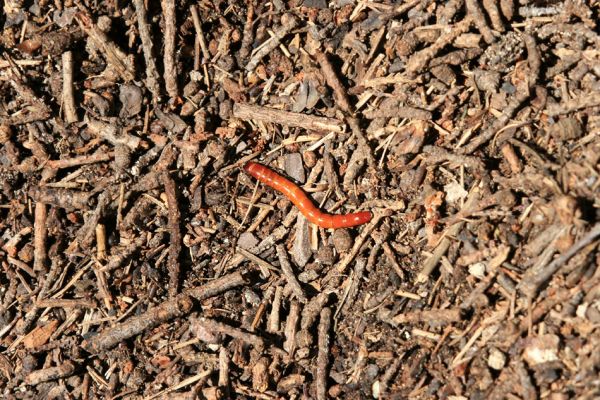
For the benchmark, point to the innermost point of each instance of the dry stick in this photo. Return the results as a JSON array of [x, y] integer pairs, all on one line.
[[118, 259], [420, 60], [360, 240], [589, 100], [219, 327], [288, 22], [358, 158], [174, 232], [224, 360], [68, 100], [494, 13], [217, 286], [533, 59], [64, 370], [291, 327], [399, 112], [168, 7], [288, 118], [248, 33], [430, 264], [147, 43], [478, 18], [40, 234], [534, 278], [113, 134], [273, 321], [62, 198], [115, 57], [289, 275], [323, 353], [334, 82], [174, 308], [81, 160], [199, 32], [433, 317]]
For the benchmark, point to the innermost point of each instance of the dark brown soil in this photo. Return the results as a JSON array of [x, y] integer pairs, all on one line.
[[140, 261]]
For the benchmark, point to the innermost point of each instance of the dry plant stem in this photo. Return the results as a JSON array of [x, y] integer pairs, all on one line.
[[217, 286], [218, 327], [170, 75], [433, 317], [494, 13], [86, 233], [50, 374], [40, 255], [533, 59], [110, 337], [420, 60], [288, 118], [399, 112], [199, 32], [323, 353], [248, 34], [360, 240], [289, 22], [147, 44], [334, 82], [113, 134], [289, 275], [441, 249], [311, 311], [174, 217], [80, 160], [118, 259], [68, 100], [66, 303], [224, 360], [358, 158], [291, 327], [479, 19], [115, 57], [578, 103], [274, 320], [392, 258], [62, 198], [535, 278], [37, 109]]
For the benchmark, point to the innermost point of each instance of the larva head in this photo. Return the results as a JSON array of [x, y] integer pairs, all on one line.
[[251, 167]]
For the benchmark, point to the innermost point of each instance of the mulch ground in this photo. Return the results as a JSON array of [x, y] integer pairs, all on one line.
[[140, 261]]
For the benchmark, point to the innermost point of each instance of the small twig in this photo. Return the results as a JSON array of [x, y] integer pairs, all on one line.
[[288, 118], [289, 275], [147, 44], [170, 75], [535, 278], [419, 61], [533, 59], [219, 327], [476, 14], [334, 82], [323, 353], [433, 317], [430, 264], [110, 337], [63, 370], [288, 22], [174, 218], [40, 234], [68, 99], [81, 160]]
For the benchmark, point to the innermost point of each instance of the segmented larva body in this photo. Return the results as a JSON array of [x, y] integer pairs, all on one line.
[[303, 202]]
